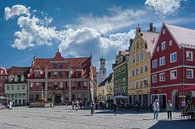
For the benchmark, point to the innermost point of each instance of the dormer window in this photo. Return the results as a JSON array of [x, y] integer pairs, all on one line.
[[22, 78], [16, 78], [10, 78], [164, 31], [170, 43], [37, 74]]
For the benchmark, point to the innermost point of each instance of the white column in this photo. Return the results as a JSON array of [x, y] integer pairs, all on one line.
[[46, 83], [69, 86]]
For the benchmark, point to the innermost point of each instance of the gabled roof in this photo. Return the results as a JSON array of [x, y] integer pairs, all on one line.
[[108, 79], [184, 37], [18, 70], [150, 39]]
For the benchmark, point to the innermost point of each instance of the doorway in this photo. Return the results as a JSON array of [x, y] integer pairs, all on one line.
[[58, 99]]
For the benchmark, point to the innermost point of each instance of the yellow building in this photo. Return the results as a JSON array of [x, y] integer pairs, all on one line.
[[139, 66], [106, 89]]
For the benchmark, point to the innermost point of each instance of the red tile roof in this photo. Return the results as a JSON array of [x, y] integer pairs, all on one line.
[[73, 63]]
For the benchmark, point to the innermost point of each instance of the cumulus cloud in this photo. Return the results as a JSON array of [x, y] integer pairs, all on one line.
[[164, 6], [16, 10], [92, 35]]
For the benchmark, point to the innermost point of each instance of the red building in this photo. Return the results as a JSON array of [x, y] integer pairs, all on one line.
[[60, 79], [3, 78], [173, 65]]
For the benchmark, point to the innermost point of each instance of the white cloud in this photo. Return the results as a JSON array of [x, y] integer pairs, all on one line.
[[164, 7], [16, 10], [114, 21]]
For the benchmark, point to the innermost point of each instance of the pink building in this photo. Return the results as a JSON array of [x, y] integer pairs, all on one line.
[[173, 65], [3, 78], [61, 79]]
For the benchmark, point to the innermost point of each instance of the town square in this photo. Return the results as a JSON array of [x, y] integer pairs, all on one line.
[[97, 64]]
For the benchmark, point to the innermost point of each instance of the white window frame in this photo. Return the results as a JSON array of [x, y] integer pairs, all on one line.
[[154, 66], [187, 52], [154, 76], [171, 60], [160, 77], [163, 46], [192, 71], [161, 61], [171, 75], [170, 43]]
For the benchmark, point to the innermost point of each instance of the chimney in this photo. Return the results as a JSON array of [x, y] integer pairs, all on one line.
[[138, 29]]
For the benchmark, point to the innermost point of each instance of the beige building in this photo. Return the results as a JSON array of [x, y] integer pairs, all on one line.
[[139, 66], [106, 89]]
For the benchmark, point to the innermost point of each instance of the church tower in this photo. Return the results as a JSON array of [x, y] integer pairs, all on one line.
[[102, 70]]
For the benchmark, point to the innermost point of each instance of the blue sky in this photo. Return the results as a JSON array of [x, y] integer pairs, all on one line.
[[80, 28]]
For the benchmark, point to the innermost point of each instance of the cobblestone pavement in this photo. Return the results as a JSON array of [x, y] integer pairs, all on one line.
[[61, 117]]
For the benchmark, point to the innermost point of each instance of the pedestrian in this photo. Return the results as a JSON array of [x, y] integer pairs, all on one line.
[[156, 109], [10, 104], [183, 104], [169, 109], [114, 108], [137, 105], [73, 105], [92, 108], [77, 105]]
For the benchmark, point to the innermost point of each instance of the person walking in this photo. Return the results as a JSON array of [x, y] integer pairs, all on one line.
[[169, 109], [114, 108], [137, 105], [156, 109], [92, 108]]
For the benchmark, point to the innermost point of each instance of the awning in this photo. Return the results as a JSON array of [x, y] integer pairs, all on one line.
[[188, 88], [121, 97], [2, 97]]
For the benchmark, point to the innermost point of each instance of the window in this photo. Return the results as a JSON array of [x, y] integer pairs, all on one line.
[[190, 73], [137, 84], [170, 43], [189, 56], [141, 70], [157, 49], [146, 82], [137, 71], [164, 31], [173, 74], [163, 45], [18, 87], [55, 65], [145, 68], [142, 55], [55, 74], [162, 77], [49, 74], [137, 57], [154, 64], [141, 83], [8, 88], [133, 58], [162, 61], [23, 87], [60, 74], [60, 65], [173, 57], [133, 85], [133, 73], [154, 78]]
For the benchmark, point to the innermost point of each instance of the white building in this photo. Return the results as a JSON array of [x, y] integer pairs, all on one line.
[[16, 85]]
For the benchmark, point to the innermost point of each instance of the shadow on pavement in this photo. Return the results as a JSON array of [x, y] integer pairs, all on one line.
[[174, 124], [117, 112]]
